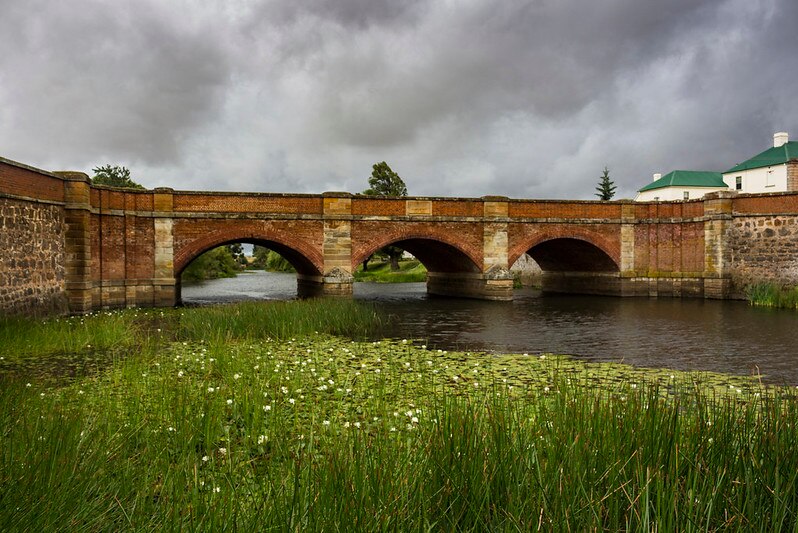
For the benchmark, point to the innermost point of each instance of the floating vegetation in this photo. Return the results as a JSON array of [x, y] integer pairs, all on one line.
[[320, 433]]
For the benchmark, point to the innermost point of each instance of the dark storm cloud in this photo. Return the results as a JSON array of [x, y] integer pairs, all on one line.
[[524, 98], [476, 62], [348, 13], [125, 80]]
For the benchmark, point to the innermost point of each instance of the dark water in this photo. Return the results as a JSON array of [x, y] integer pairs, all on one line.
[[690, 334]]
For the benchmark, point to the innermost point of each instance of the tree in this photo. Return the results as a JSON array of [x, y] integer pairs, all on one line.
[[270, 260], [606, 187], [213, 264], [386, 182], [115, 176], [237, 251]]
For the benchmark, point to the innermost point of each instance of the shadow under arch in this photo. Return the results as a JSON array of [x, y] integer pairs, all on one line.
[[575, 265], [434, 254], [451, 271], [305, 261]]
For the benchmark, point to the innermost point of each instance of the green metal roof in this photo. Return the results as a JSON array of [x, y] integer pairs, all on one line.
[[770, 157], [687, 178]]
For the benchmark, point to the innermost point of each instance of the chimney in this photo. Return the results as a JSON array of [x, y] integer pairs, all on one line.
[[657, 176], [780, 139]]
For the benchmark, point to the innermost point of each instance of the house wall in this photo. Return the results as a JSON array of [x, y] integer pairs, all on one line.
[[759, 180], [667, 194]]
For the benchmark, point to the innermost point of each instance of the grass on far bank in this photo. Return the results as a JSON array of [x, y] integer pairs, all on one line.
[[243, 418], [410, 270]]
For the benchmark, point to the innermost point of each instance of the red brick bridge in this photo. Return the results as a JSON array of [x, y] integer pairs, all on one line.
[[107, 247]]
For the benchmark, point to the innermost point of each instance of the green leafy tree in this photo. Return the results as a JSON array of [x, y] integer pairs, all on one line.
[[261, 255], [216, 263], [385, 182], [237, 251], [115, 176], [606, 187], [270, 260]]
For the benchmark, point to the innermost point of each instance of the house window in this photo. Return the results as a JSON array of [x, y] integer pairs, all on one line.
[[686, 195], [769, 178], [738, 183]]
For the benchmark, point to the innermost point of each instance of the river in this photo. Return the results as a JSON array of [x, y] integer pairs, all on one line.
[[688, 334]]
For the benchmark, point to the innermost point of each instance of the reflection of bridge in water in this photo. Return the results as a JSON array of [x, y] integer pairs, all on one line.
[[128, 247]]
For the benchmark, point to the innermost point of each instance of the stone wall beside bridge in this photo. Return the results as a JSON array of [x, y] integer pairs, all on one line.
[[68, 245]]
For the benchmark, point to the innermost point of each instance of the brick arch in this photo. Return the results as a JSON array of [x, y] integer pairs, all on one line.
[[609, 247], [470, 257], [299, 253]]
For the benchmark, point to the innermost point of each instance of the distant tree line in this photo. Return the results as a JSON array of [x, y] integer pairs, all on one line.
[[270, 260]]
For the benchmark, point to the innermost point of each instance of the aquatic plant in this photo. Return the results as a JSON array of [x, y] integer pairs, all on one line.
[[317, 432], [772, 295]]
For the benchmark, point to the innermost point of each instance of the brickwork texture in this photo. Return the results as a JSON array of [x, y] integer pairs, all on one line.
[[67, 246]]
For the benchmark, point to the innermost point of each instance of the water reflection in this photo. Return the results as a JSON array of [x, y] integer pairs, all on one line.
[[690, 334]]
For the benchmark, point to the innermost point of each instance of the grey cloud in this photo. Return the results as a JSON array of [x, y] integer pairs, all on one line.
[[523, 98], [121, 80], [551, 59]]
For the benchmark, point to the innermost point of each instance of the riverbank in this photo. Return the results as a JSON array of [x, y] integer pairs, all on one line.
[[218, 425], [410, 271]]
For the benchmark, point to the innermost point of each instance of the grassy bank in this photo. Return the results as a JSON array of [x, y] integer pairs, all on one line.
[[140, 330], [226, 429], [409, 271], [771, 295]]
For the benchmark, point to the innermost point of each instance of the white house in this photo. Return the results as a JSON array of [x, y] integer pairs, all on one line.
[[681, 185], [774, 170]]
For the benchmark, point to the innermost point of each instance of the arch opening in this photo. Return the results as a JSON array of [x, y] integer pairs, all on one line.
[[253, 281], [569, 265], [450, 271], [435, 255], [571, 255]]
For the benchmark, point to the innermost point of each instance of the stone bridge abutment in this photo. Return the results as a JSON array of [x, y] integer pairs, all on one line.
[[70, 246]]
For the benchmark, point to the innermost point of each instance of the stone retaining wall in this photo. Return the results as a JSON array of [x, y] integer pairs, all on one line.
[[763, 249], [32, 258]]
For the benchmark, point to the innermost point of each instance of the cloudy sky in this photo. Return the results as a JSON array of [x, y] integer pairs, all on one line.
[[462, 98]]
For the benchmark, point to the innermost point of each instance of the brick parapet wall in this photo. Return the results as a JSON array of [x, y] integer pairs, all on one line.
[[26, 182]]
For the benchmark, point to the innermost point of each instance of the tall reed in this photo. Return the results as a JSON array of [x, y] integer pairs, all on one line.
[[280, 320], [20, 336], [771, 295], [320, 433]]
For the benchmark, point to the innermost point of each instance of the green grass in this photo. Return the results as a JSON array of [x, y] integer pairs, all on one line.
[[243, 417], [259, 320], [771, 295], [409, 271], [109, 333], [321, 433], [21, 337]]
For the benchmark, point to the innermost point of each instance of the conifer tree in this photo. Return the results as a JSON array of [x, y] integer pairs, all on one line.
[[606, 187]]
